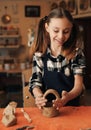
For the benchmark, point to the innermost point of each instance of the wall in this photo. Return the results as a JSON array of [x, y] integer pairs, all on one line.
[[15, 9]]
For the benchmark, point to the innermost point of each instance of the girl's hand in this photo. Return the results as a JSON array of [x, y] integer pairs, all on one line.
[[40, 101], [61, 101]]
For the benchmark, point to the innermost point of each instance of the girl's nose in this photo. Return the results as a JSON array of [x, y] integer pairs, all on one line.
[[60, 35]]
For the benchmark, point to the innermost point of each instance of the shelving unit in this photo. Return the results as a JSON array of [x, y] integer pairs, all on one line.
[[83, 9], [10, 38], [78, 8], [11, 41]]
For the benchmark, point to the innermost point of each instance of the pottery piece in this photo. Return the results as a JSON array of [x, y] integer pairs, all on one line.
[[48, 110]]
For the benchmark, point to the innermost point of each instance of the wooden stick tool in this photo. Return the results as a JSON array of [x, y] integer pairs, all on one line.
[[26, 115]]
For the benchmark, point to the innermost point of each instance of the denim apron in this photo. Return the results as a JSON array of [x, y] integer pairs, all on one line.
[[58, 81]]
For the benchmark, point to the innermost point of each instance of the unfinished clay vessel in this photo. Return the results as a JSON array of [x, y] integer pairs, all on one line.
[[48, 110]]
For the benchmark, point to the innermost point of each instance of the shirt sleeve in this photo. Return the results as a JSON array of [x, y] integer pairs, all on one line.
[[79, 63], [37, 71]]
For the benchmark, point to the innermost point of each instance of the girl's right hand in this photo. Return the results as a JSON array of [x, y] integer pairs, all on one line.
[[40, 101], [61, 101]]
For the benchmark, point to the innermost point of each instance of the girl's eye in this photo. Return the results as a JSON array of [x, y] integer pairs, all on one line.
[[66, 31], [56, 31]]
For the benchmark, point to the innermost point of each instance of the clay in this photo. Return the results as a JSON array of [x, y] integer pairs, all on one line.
[[49, 110], [9, 120], [26, 115], [9, 117]]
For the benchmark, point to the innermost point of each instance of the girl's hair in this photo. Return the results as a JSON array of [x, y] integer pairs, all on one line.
[[43, 39]]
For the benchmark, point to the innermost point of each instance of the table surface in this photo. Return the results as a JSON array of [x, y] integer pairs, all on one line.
[[70, 118]]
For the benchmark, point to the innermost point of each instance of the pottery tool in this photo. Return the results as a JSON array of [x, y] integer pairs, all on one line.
[[26, 115]]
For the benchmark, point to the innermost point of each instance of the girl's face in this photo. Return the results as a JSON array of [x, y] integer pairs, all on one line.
[[59, 30]]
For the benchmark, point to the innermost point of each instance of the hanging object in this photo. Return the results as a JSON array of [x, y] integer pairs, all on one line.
[[63, 4], [6, 18], [54, 5], [31, 36]]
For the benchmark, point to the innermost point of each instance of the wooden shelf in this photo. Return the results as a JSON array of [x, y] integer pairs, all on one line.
[[10, 36], [10, 41], [83, 15], [10, 46]]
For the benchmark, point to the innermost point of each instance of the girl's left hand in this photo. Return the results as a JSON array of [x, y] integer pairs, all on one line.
[[61, 101]]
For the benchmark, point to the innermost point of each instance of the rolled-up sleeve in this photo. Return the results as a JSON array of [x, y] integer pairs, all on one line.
[[37, 70]]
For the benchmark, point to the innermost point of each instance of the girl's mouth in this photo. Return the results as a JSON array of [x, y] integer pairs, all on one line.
[[60, 42]]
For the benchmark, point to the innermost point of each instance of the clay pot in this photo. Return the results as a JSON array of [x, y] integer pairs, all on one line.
[[49, 110]]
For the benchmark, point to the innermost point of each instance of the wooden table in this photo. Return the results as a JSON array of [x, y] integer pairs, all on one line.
[[70, 118]]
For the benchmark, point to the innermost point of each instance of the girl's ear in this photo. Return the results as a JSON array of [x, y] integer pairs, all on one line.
[[46, 27]]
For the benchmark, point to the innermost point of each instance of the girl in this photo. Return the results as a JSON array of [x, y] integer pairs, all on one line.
[[58, 60]]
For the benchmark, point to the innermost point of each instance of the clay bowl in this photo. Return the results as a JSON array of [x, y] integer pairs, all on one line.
[[48, 110]]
